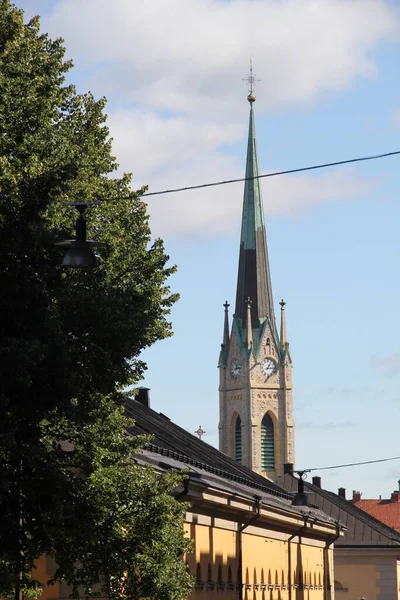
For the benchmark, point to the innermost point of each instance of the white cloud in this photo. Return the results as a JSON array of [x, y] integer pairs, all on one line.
[[180, 152], [185, 55], [172, 70], [152, 143], [390, 364], [396, 118], [217, 210]]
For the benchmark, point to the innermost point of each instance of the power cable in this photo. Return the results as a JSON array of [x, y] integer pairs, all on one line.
[[356, 464], [275, 174], [265, 175]]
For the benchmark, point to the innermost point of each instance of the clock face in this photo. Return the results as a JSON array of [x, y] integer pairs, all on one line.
[[236, 367], [268, 367]]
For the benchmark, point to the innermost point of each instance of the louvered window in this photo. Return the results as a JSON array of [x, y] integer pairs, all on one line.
[[267, 444], [238, 440]]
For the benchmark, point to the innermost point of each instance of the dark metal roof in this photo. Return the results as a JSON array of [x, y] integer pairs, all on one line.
[[362, 529], [174, 447], [174, 441]]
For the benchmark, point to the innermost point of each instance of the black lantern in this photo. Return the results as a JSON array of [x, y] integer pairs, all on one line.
[[80, 254], [300, 499]]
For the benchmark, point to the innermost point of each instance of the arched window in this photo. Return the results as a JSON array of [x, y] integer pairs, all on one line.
[[267, 444], [238, 440]]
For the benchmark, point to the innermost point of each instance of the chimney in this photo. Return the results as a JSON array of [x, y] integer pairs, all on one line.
[[288, 468], [356, 496], [395, 497], [316, 481], [342, 493], [143, 396]]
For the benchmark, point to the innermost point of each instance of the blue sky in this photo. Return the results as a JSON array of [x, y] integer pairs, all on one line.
[[329, 90]]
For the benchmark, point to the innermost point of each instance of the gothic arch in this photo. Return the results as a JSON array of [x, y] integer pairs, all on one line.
[[237, 437], [268, 429]]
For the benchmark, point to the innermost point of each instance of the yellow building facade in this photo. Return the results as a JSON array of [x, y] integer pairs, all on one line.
[[250, 542], [273, 565], [254, 551]]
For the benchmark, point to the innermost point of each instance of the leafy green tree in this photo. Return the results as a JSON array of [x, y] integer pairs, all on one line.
[[70, 342]]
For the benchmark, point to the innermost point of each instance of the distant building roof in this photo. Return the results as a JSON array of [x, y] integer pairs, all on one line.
[[363, 530], [385, 510]]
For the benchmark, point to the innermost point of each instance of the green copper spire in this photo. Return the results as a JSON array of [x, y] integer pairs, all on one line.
[[254, 280]]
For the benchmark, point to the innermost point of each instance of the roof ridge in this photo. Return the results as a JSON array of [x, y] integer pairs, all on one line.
[[214, 470]]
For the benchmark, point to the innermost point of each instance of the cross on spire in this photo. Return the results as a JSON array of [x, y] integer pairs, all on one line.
[[200, 432], [251, 81]]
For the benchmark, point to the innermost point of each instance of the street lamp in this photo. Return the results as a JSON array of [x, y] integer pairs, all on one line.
[[80, 254], [300, 499]]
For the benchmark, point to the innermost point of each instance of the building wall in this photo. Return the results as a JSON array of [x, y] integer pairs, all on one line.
[[273, 566], [367, 573], [255, 564]]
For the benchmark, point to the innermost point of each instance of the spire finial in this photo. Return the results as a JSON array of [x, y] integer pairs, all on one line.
[[282, 304], [226, 306], [251, 81]]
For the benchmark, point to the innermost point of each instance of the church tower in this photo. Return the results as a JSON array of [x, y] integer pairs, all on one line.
[[256, 424]]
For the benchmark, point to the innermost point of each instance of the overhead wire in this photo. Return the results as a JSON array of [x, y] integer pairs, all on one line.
[[355, 464], [274, 174], [241, 179]]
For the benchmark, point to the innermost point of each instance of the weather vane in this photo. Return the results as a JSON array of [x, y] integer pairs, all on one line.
[[251, 81]]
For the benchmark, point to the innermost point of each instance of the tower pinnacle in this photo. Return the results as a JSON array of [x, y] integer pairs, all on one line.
[[226, 325], [249, 332], [283, 338]]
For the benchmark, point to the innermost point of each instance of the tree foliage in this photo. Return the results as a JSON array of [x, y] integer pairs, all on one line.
[[71, 341]]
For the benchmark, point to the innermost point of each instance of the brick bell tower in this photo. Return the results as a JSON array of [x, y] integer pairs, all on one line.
[[256, 424]]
